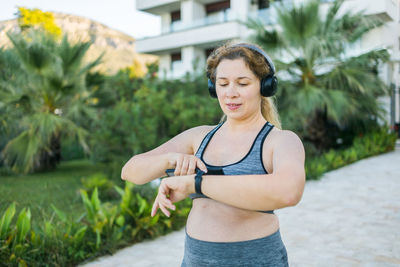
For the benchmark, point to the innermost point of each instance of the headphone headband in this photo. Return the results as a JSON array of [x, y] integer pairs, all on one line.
[[255, 48]]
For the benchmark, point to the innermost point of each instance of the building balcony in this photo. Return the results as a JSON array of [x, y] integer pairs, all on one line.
[[195, 36], [220, 17], [385, 9], [158, 7], [212, 29]]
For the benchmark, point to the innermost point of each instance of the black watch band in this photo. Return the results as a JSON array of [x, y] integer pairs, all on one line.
[[198, 179]]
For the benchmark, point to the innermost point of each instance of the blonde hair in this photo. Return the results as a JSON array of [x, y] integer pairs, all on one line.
[[256, 64]]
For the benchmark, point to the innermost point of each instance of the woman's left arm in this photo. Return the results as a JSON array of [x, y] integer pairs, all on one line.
[[282, 188]]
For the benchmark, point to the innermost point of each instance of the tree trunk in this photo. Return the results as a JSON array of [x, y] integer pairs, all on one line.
[[321, 132], [49, 159]]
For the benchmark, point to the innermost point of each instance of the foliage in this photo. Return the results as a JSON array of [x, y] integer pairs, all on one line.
[[135, 70], [148, 112], [376, 142], [48, 99], [36, 18], [325, 86], [102, 183], [104, 227]]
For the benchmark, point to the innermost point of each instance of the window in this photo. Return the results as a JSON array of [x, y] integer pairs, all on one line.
[[176, 23], [216, 7], [176, 57], [176, 60], [175, 16], [263, 4], [177, 66]]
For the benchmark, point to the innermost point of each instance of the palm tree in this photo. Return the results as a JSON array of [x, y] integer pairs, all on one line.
[[323, 84], [51, 97]]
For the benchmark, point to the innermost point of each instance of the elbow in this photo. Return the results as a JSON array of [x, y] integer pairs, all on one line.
[[125, 174], [292, 201], [293, 197]]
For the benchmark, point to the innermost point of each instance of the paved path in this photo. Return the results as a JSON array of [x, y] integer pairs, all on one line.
[[351, 217]]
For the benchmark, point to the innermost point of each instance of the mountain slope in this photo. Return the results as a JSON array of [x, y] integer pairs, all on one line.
[[118, 47]]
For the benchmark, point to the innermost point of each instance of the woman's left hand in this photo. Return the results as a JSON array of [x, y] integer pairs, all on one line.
[[171, 190]]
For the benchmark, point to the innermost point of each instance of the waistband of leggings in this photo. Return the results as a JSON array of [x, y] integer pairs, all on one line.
[[272, 236]]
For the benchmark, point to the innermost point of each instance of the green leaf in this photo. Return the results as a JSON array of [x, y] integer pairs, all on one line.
[[79, 235], [6, 221], [95, 200], [60, 214], [23, 225]]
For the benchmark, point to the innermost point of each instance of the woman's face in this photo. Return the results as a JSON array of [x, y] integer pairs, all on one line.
[[238, 89]]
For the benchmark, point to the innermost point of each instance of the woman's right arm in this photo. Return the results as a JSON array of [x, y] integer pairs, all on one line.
[[145, 167]]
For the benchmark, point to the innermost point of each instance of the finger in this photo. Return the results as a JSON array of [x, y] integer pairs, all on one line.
[[184, 167], [155, 207], [162, 196], [164, 210], [201, 165], [178, 165], [167, 202], [192, 167]]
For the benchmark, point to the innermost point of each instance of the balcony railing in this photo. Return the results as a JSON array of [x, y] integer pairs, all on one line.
[[220, 17], [269, 16]]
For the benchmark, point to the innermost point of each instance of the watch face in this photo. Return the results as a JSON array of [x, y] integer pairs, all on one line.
[[214, 171]]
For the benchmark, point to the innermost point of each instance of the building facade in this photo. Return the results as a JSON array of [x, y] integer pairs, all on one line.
[[191, 29]]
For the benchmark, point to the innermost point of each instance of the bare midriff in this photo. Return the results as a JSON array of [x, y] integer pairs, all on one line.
[[214, 221]]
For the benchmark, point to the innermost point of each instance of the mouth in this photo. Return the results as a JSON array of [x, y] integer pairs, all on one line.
[[232, 106]]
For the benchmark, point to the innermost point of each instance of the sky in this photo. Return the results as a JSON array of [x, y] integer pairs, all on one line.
[[117, 14]]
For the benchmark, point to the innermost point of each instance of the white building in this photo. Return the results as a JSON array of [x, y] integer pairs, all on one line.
[[191, 29]]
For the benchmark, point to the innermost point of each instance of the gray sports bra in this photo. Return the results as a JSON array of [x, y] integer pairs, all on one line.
[[251, 163]]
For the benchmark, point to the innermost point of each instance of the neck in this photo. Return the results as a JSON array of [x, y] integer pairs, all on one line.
[[244, 125]]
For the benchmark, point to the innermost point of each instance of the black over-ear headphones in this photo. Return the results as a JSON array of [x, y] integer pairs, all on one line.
[[268, 84]]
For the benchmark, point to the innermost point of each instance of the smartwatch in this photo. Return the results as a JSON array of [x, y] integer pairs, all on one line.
[[198, 179]]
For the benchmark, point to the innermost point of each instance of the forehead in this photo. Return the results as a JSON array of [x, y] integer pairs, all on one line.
[[233, 68]]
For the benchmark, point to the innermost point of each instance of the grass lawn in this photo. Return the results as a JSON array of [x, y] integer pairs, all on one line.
[[38, 191]]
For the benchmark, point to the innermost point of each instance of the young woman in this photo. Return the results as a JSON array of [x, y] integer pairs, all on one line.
[[261, 167]]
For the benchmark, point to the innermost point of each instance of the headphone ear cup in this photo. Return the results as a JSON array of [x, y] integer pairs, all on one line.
[[211, 89], [269, 86]]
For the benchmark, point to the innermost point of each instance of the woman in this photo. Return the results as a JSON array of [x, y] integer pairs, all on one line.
[[231, 222]]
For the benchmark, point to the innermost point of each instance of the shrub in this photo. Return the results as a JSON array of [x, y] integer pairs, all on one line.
[[379, 141]]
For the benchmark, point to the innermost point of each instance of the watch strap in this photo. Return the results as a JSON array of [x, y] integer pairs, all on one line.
[[198, 179]]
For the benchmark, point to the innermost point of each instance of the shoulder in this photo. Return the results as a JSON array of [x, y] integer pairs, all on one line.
[[287, 136], [283, 139], [286, 142], [199, 130]]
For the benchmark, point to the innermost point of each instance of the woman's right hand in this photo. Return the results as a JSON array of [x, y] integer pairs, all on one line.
[[185, 164]]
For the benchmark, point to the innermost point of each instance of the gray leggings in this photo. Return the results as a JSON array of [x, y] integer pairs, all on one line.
[[264, 251]]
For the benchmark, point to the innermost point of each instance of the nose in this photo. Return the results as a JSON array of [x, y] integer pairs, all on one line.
[[231, 90]]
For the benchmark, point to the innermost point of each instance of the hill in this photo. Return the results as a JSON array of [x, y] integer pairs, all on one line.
[[119, 48]]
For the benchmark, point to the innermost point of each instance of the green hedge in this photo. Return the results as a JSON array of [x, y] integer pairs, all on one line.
[[373, 143]]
